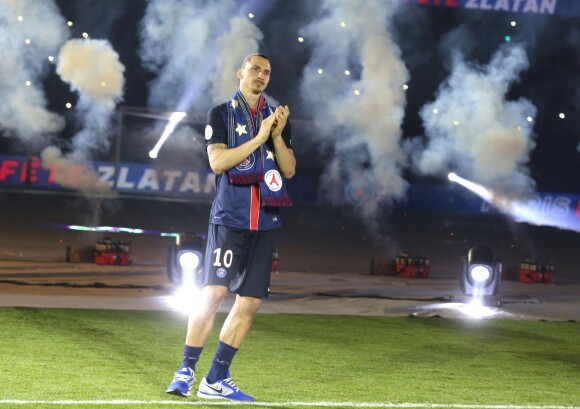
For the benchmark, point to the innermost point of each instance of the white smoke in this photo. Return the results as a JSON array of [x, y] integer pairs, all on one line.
[[178, 44], [359, 115], [73, 171], [241, 40], [472, 129], [92, 68], [30, 32], [194, 48]]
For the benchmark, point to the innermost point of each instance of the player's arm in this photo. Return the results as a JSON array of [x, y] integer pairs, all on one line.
[[284, 158], [222, 158], [284, 155]]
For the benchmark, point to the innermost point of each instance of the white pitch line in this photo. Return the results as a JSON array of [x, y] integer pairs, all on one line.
[[278, 404]]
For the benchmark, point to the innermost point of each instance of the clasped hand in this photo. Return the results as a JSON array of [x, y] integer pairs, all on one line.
[[274, 124]]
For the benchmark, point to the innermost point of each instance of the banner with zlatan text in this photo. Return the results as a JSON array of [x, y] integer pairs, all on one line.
[[27, 173], [23, 172], [564, 8]]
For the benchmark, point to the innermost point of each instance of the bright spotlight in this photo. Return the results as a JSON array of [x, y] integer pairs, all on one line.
[[185, 259], [189, 260], [475, 309], [185, 299], [452, 177], [480, 273], [184, 269]]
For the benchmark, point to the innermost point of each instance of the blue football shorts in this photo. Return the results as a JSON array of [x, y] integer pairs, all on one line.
[[240, 259]]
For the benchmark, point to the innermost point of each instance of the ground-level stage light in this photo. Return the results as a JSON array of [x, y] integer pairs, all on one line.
[[189, 260], [184, 269], [185, 259], [480, 273]]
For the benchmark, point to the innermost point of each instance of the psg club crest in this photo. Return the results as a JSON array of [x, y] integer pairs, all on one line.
[[247, 163], [273, 179], [220, 272]]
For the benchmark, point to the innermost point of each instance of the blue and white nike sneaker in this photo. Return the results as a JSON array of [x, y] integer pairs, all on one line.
[[182, 382], [222, 389]]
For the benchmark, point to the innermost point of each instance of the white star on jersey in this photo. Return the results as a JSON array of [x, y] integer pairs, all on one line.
[[269, 154], [241, 129], [234, 103]]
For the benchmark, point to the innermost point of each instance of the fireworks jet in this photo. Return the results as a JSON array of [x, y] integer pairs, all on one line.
[[520, 210]]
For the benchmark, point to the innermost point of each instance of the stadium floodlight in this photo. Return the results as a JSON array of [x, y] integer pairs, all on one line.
[[480, 273]]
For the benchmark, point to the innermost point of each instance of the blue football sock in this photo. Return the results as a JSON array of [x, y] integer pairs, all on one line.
[[190, 356], [224, 356]]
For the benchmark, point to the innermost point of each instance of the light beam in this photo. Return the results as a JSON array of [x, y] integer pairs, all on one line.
[[520, 211], [174, 119]]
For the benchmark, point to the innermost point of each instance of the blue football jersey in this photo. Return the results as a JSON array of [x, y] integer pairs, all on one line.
[[239, 205]]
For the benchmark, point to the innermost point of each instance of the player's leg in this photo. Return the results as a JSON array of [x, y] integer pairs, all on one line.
[[201, 321], [251, 287], [239, 320]]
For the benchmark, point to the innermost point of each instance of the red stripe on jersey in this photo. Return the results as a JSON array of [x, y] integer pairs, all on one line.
[[255, 198], [254, 207]]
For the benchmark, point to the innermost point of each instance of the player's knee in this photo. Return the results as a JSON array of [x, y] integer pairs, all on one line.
[[250, 305], [213, 296]]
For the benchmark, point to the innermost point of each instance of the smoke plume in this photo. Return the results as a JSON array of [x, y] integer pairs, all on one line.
[[178, 44], [472, 129], [358, 115], [71, 171], [241, 40], [92, 68], [30, 32], [194, 48]]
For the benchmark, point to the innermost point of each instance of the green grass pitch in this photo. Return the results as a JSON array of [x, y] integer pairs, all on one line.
[[74, 358]]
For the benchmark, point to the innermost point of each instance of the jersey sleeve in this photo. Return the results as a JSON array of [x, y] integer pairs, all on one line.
[[215, 129]]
